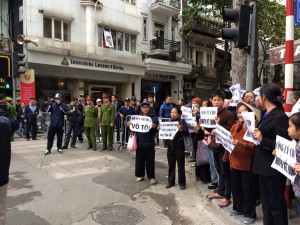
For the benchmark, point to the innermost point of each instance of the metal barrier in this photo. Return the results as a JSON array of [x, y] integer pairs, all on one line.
[[124, 132], [43, 123]]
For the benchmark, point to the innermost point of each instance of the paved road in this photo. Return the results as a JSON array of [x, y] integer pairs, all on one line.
[[83, 187]]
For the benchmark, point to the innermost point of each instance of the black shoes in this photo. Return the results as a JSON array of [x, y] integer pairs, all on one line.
[[110, 148], [104, 148], [73, 146], [65, 147], [89, 147], [212, 186], [182, 187], [94, 149], [169, 186]]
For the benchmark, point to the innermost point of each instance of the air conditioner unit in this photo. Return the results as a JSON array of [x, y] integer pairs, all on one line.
[[192, 44]]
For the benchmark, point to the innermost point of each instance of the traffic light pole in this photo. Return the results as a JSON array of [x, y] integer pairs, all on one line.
[[251, 43]]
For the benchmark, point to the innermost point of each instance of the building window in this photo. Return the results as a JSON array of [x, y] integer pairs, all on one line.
[[209, 62], [145, 36], [57, 29], [122, 41], [189, 56], [173, 33], [132, 2]]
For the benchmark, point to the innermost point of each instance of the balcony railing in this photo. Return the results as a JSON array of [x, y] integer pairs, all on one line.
[[165, 44], [207, 27], [174, 3]]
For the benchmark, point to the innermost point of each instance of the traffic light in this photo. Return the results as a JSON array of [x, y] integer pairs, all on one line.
[[7, 83], [18, 61], [240, 16], [4, 66]]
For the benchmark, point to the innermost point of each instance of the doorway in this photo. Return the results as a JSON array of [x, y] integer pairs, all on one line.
[[96, 91]]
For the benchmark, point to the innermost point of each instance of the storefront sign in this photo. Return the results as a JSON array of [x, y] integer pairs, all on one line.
[[95, 64], [168, 130], [277, 54], [27, 86], [160, 76], [285, 158], [140, 124]]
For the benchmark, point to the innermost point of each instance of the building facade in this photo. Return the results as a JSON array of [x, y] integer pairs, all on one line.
[[91, 47]]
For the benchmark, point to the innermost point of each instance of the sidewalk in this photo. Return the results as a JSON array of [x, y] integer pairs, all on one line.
[[294, 217]]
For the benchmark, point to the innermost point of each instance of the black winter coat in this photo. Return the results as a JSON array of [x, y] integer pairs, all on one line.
[[147, 139], [57, 114], [177, 144], [275, 123]]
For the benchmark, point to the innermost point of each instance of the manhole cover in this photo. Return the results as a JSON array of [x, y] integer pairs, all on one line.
[[118, 215]]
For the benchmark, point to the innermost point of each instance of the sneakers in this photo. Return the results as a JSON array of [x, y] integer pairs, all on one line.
[[60, 151], [248, 220], [139, 179], [47, 152], [153, 181], [235, 213]]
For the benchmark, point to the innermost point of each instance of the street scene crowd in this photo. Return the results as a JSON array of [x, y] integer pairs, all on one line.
[[242, 178]]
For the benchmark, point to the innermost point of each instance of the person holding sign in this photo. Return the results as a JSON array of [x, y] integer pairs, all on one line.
[[224, 118], [176, 151], [145, 153], [271, 182], [242, 179], [294, 133]]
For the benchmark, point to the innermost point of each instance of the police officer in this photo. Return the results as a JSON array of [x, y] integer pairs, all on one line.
[[81, 117], [90, 114], [58, 111], [107, 119]]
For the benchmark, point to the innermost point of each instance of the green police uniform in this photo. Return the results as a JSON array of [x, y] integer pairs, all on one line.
[[90, 119], [107, 117]]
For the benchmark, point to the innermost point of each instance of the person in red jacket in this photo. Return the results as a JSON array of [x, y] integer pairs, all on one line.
[[242, 179]]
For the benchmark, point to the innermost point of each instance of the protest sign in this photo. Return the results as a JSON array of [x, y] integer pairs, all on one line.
[[186, 112], [249, 119], [236, 94], [191, 123], [168, 130], [296, 183], [242, 91], [208, 116], [257, 92], [296, 107], [140, 124], [285, 157], [224, 137]]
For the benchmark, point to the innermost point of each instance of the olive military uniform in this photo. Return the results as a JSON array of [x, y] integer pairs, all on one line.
[[90, 113], [107, 117]]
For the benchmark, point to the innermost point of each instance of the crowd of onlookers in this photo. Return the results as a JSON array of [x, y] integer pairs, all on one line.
[[243, 179]]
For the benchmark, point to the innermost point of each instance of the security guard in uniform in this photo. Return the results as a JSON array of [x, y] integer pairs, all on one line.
[[107, 119], [90, 119]]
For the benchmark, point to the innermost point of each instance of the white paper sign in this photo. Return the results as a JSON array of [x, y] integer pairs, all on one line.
[[249, 119], [208, 116], [236, 94], [296, 107], [191, 122], [224, 138], [242, 91], [256, 92], [140, 124], [168, 130], [108, 39], [285, 158], [186, 112]]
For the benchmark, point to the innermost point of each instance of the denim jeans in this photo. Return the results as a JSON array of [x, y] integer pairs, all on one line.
[[213, 171], [22, 129]]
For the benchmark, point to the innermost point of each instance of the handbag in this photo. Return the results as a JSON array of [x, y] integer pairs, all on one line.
[[188, 143], [201, 154], [132, 142]]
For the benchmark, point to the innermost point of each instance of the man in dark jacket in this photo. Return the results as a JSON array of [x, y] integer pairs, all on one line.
[[123, 112], [30, 118], [81, 117], [71, 124], [6, 129], [58, 111], [165, 108], [20, 118]]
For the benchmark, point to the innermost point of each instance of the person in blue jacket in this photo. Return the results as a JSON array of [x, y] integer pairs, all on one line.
[[58, 111], [165, 108], [123, 112], [145, 153]]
